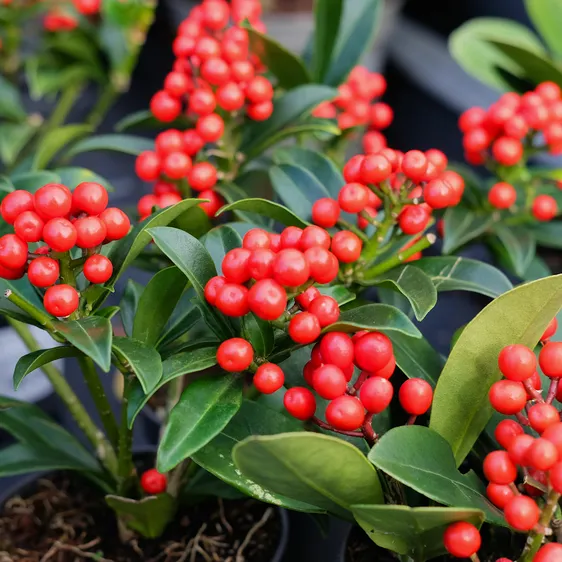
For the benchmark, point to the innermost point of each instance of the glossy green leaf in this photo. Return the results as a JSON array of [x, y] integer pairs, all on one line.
[[144, 361], [546, 15], [184, 363], [277, 212], [129, 304], [518, 316], [238, 192], [288, 110], [92, 336], [216, 456], [157, 303], [23, 288], [318, 469], [259, 333], [219, 241], [415, 532], [144, 119], [319, 165], [194, 221], [32, 181], [72, 176], [11, 106], [183, 319], [414, 284], [358, 26], [341, 294], [464, 274], [421, 459], [191, 257], [108, 312], [461, 226], [380, 317], [287, 67], [148, 516], [28, 363], [54, 141], [13, 138], [517, 246], [469, 44], [548, 234], [297, 188], [537, 270], [327, 15], [202, 412], [128, 144], [416, 358]]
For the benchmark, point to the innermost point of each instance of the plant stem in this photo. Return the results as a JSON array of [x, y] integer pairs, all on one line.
[[44, 319], [103, 448], [324, 425], [348, 226], [368, 431], [178, 477], [125, 459], [370, 250], [100, 399], [62, 109], [533, 391], [536, 537], [552, 390], [102, 106]]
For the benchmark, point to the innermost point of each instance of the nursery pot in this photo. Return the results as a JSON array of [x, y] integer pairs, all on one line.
[[52, 496]]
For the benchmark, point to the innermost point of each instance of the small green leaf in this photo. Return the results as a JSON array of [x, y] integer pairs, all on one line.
[[157, 303], [56, 140], [321, 470], [259, 333], [143, 360], [148, 516], [233, 193], [537, 270], [415, 532], [184, 363], [461, 226], [129, 304], [216, 456], [418, 289], [380, 317], [421, 459], [517, 247], [288, 110], [464, 274], [32, 181], [72, 176], [28, 363], [144, 119], [546, 15], [358, 26], [341, 294], [518, 316], [128, 144], [287, 67], [219, 241], [191, 257], [92, 336], [202, 412], [327, 15], [108, 312], [13, 138], [470, 47], [548, 234], [11, 106], [277, 212]]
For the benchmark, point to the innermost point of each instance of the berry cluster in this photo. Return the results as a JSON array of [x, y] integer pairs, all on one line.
[[62, 220], [355, 106], [218, 80], [61, 19], [416, 183]]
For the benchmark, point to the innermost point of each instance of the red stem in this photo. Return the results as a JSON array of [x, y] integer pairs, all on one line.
[[327, 426], [533, 391], [368, 431], [552, 390], [411, 420], [358, 383], [522, 419]]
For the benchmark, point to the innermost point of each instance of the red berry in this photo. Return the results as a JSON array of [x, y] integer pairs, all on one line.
[[230, 97], [336, 348], [52, 201], [502, 195], [98, 269], [43, 272], [516, 127], [305, 299], [462, 539], [267, 299], [507, 151], [346, 246], [376, 394], [29, 226], [168, 199], [235, 355], [165, 107], [215, 202], [373, 351], [193, 142], [499, 468], [300, 403], [353, 197], [375, 168], [304, 328], [517, 362], [116, 222], [259, 89], [61, 300], [472, 118], [260, 264], [329, 381], [507, 397], [314, 237], [550, 552], [415, 396], [90, 232], [216, 14], [550, 359], [215, 71], [345, 413], [388, 370], [146, 205], [499, 494], [550, 330], [437, 158], [548, 91], [89, 197], [439, 194], [275, 240], [542, 454], [176, 165], [269, 378], [212, 287], [352, 169], [522, 513], [323, 265], [232, 300], [542, 415], [544, 207], [325, 212], [177, 84], [147, 166], [11, 274], [235, 265], [555, 474], [413, 219], [152, 482], [202, 102], [260, 111], [381, 115], [506, 431], [291, 268], [414, 165], [519, 447], [291, 237], [554, 434], [476, 140], [326, 309], [13, 252], [15, 203], [210, 127], [202, 175], [256, 238]]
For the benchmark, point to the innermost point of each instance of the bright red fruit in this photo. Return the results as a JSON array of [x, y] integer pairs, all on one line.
[[323, 265], [326, 309], [232, 300], [499, 494], [90, 197], [98, 269], [260, 264], [13, 252], [235, 355], [353, 197], [43, 272], [336, 348], [542, 454], [314, 237], [462, 539], [267, 299], [269, 378], [148, 165], [373, 351], [544, 207], [256, 238], [61, 300], [329, 381], [29, 226], [116, 222], [152, 482], [550, 330], [375, 168], [555, 474], [300, 403], [304, 328], [212, 288], [346, 246], [345, 413], [507, 397], [165, 107], [542, 416], [415, 396], [439, 194], [522, 513], [502, 195], [554, 434], [517, 362], [507, 151], [550, 552], [305, 299], [291, 268], [499, 468], [414, 165], [550, 359], [376, 394], [235, 265], [506, 431], [90, 232], [291, 238], [16, 203], [52, 201], [518, 448], [413, 219], [325, 212]]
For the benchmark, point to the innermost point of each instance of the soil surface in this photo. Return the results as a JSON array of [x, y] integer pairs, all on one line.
[[61, 519]]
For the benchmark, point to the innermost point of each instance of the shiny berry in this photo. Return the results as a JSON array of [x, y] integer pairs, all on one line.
[[304, 300], [544, 207], [415, 396], [300, 403], [235, 265], [210, 127], [353, 197], [232, 300], [304, 328], [326, 309], [499, 494], [267, 299], [413, 219], [61, 300], [376, 394], [235, 355], [550, 330], [325, 212], [43, 272], [346, 246], [499, 468], [438, 194], [506, 431], [550, 359], [502, 195], [29, 226], [269, 378], [507, 151], [462, 539], [260, 264], [550, 552], [375, 168], [522, 513], [98, 269], [89, 197], [507, 397], [13, 252], [165, 107], [148, 165], [345, 413], [52, 201], [336, 348], [329, 381], [212, 288], [291, 237], [517, 362], [15, 203], [372, 351], [414, 165], [259, 89], [542, 454], [202, 175], [314, 237], [323, 265], [542, 415], [256, 238], [117, 224], [90, 232], [518, 449], [152, 482], [291, 268]]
